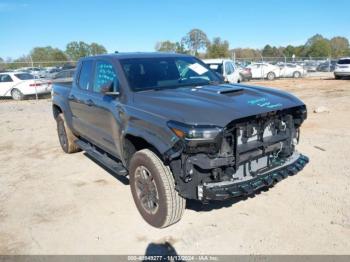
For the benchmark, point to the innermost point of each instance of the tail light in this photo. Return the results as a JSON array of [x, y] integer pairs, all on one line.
[[35, 84]]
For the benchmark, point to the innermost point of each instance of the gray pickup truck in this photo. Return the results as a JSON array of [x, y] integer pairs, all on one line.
[[176, 130]]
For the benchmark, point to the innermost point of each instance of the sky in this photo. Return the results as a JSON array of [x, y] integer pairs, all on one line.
[[136, 25]]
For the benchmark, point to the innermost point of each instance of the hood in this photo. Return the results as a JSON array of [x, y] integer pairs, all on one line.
[[213, 104]]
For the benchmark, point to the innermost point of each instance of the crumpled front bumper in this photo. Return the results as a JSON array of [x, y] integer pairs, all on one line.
[[226, 189]]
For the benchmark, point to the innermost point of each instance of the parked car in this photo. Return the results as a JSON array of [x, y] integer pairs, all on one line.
[[342, 69], [291, 70], [264, 70], [245, 73], [310, 66], [37, 72], [328, 66], [179, 132], [52, 72], [20, 84], [226, 68], [64, 76]]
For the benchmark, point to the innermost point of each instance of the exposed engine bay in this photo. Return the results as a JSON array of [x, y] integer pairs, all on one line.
[[244, 150]]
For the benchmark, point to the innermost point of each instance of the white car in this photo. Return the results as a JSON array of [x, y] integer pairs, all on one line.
[[264, 70], [37, 72], [226, 68], [342, 68], [291, 70], [20, 84]]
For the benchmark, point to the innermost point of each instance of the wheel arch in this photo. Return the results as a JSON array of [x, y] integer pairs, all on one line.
[[56, 110], [140, 143]]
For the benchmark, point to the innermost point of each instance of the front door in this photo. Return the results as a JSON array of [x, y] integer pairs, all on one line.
[[103, 113]]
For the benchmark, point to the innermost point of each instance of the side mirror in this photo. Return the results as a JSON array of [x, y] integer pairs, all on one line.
[[107, 89]]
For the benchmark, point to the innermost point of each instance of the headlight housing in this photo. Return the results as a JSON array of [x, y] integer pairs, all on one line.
[[198, 138], [195, 132]]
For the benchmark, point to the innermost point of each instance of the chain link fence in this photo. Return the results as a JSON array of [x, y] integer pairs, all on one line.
[[45, 72]]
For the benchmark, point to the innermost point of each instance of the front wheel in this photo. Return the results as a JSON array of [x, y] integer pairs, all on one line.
[[153, 189], [271, 76]]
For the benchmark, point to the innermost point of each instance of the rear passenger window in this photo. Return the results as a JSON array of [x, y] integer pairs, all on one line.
[[104, 74], [85, 75]]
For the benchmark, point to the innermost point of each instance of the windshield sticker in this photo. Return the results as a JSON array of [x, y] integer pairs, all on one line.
[[264, 102], [199, 69]]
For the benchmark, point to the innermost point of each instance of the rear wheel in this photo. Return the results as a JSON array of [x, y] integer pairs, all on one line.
[[153, 189], [337, 77], [271, 76], [16, 94], [66, 136]]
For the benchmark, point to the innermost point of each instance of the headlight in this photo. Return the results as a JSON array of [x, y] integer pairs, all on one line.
[[195, 132]]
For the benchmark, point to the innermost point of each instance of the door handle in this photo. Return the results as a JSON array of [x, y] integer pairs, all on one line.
[[89, 102]]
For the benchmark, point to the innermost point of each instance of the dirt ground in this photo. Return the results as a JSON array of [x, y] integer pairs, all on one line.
[[54, 203]]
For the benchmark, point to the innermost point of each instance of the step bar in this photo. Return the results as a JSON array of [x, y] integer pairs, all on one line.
[[104, 159]]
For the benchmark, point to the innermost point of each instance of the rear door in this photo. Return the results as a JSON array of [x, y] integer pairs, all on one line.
[[78, 99]]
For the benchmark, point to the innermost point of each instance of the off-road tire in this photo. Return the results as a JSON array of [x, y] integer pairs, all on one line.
[[171, 205], [16, 94], [296, 74], [66, 136], [271, 76]]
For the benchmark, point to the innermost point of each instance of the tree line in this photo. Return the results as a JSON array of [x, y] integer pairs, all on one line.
[[196, 42], [50, 56]]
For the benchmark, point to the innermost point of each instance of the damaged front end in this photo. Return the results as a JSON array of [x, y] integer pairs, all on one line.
[[215, 163]]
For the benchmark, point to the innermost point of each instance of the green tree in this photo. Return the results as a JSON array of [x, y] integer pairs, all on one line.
[[314, 39], [2, 66], [166, 46], [97, 49], [339, 46], [319, 48], [267, 51], [48, 55], [195, 40], [76, 50], [246, 53], [218, 48]]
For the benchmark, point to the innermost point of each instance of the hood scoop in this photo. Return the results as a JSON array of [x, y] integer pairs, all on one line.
[[223, 89], [230, 90]]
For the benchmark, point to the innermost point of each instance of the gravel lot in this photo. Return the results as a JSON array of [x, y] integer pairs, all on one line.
[[53, 203]]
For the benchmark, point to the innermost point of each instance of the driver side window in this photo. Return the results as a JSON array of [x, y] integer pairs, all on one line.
[[104, 73]]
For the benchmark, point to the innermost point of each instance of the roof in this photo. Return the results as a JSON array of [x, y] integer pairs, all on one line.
[[139, 55], [215, 61]]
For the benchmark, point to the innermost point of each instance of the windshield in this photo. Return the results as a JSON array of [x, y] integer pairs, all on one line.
[[166, 72], [344, 62], [24, 76]]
